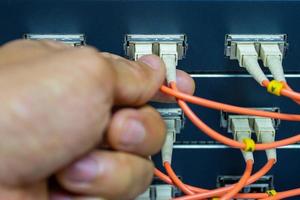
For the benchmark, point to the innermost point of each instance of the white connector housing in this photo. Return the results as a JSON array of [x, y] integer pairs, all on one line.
[[158, 192], [167, 149], [170, 48], [241, 130], [265, 133], [240, 125], [270, 50], [263, 125], [142, 49], [248, 58], [272, 58], [164, 192], [145, 196], [174, 120], [246, 50], [169, 54]]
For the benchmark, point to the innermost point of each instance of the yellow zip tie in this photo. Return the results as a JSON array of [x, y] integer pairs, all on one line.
[[215, 198], [250, 145], [271, 193], [275, 87]]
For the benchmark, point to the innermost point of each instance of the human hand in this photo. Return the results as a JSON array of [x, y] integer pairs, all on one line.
[[61, 106]]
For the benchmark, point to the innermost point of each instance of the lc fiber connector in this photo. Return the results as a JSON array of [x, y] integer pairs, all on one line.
[[170, 48]]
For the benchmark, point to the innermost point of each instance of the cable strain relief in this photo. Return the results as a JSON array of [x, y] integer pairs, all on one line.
[[275, 66], [269, 137], [271, 154], [252, 66], [167, 149], [248, 156]]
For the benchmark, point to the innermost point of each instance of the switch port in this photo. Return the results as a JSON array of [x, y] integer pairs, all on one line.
[[232, 40], [174, 114], [264, 184], [225, 119], [150, 44], [75, 40]]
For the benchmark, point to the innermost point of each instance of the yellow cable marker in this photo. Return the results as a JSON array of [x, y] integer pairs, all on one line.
[[250, 145], [275, 87], [272, 193]]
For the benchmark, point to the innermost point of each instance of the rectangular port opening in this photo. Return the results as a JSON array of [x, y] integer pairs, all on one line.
[[131, 40], [232, 40], [225, 118], [75, 40], [264, 184]]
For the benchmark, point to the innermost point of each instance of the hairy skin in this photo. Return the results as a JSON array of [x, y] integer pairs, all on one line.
[[56, 111]]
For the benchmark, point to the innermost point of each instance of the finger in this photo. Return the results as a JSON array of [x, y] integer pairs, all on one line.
[[140, 131], [137, 82], [65, 196], [111, 175], [185, 84], [184, 81], [23, 50], [55, 44]]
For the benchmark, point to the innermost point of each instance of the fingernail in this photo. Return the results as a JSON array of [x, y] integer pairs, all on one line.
[[134, 133], [58, 196], [83, 171], [152, 61]]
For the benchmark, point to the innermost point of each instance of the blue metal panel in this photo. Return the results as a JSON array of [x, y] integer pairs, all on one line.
[[205, 23]]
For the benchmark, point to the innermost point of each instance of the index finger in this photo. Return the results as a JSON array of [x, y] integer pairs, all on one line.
[[139, 82], [136, 82]]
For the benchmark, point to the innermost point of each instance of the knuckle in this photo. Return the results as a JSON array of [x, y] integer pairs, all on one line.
[[93, 66], [52, 44], [155, 117], [90, 60], [141, 71], [139, 176]]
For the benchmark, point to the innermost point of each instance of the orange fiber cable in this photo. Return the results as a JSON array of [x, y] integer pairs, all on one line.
[[286, 91], [226, 107], [242, 182], [234, 189], [220, 191], [167, 180], [225, 140], [176, 180], [285, 194], [287, 87]]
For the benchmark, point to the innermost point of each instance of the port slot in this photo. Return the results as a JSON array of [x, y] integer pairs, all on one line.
[[131, 40], [225, 118], [159, 186], [264, 184], [174, 114], [160, 192], [232, 40], [70, 39]]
